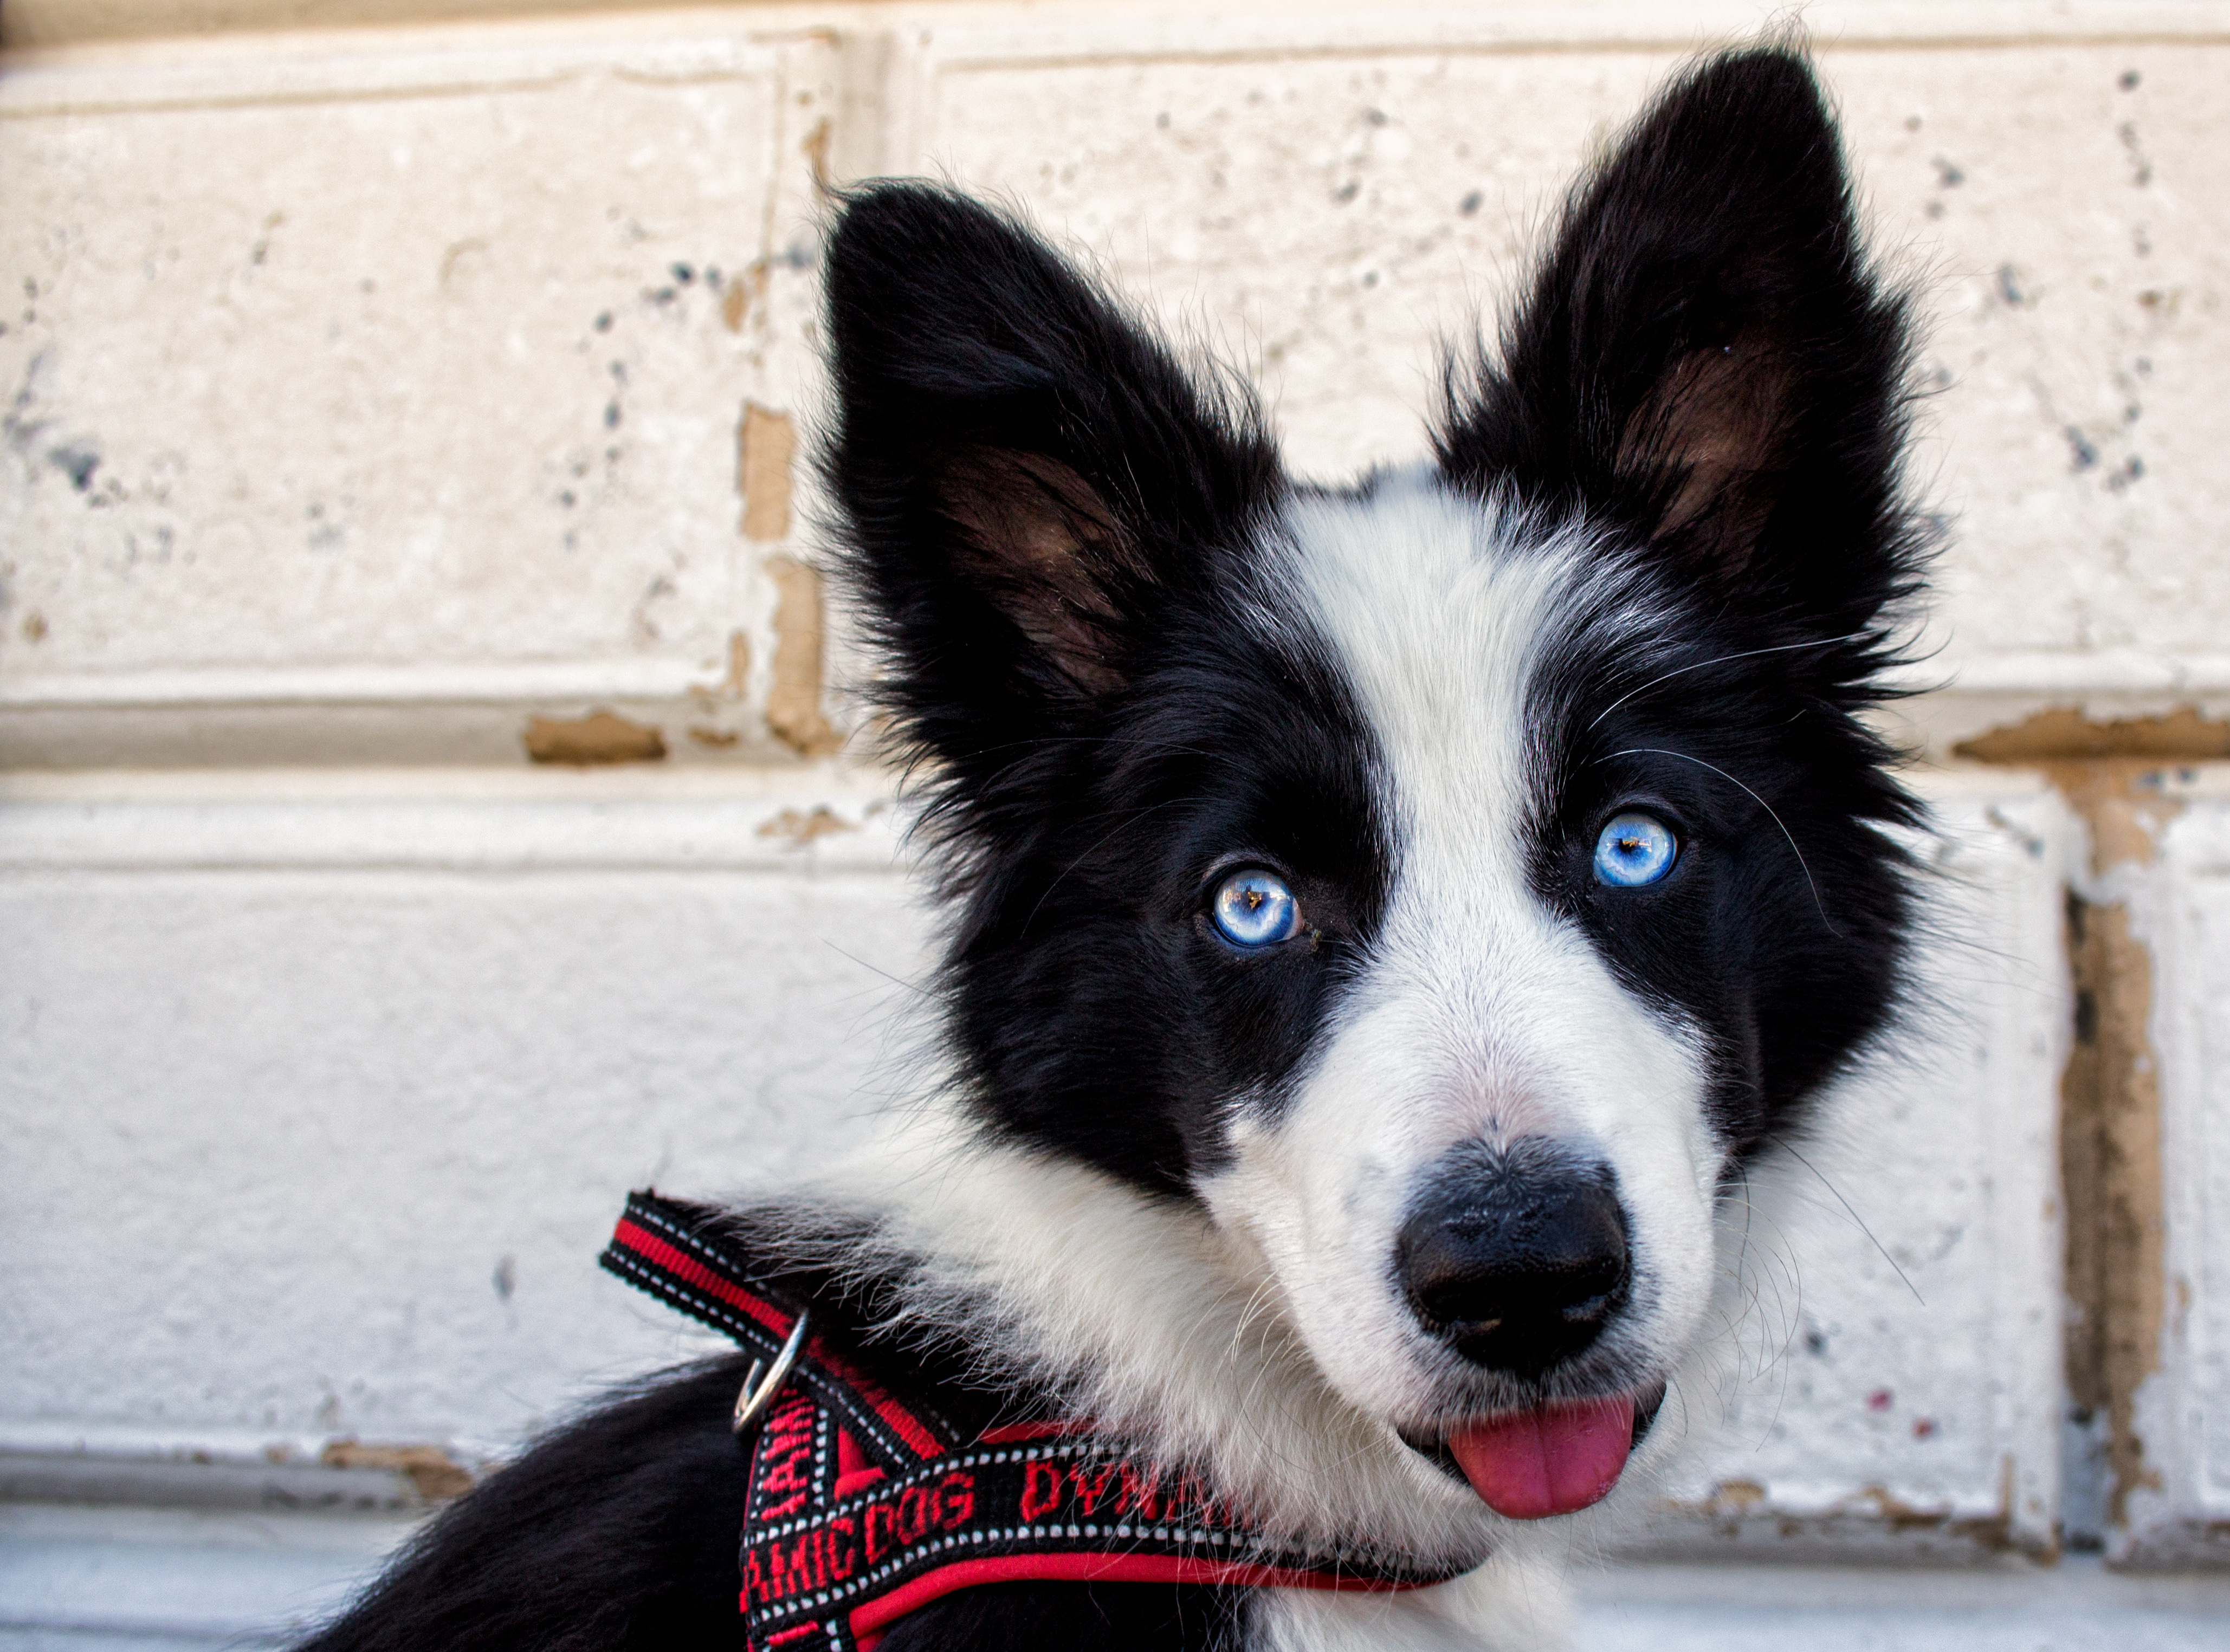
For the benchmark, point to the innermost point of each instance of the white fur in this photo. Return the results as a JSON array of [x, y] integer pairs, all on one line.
[[1157, 1323]]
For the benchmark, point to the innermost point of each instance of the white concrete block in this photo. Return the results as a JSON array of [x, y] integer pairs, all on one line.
[[329, 1148], [350, 379]]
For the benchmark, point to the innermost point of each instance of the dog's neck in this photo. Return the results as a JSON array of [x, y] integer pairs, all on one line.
[[1137, 1312]]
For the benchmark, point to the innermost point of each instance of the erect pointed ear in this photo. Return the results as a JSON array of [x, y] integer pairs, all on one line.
[[1022, 472], [1704, 359]]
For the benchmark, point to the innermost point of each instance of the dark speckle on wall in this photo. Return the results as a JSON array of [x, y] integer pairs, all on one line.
[[76, 461]]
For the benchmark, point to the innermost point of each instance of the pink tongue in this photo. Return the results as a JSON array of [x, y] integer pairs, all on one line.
[[1533, 1464]]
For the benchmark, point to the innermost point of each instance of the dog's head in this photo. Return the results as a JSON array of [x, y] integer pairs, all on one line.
[[1444, 882]]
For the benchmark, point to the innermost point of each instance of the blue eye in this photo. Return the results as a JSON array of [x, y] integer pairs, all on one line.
[[1634, 848], [1255, 909]]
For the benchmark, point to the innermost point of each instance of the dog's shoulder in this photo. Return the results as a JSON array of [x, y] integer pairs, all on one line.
[[616, 1530]]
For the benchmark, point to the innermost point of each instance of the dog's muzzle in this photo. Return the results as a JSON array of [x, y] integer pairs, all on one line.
[[1516, 1259]]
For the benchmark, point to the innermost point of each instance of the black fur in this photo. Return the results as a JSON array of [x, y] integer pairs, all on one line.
[[1052, 532]]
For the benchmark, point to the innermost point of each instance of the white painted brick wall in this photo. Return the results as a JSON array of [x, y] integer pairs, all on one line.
[[319, 1002]]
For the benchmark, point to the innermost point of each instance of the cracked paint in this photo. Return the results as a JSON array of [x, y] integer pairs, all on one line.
[[765, 443], [437, 1475], [586, 743], [793, 713], [2112, 773], [797, 828]]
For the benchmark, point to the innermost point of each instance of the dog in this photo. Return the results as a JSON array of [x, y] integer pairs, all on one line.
[[1384, 921]]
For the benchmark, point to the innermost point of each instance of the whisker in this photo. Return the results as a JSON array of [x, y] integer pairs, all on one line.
[[1747, 653], [1861, 1220], [1741, 1259], [1793, 1270], [1745, 1282], [1658, 751], [1780, 1360], [1258, 1302], [1130, 820], [1759, 1276], [914, 987]]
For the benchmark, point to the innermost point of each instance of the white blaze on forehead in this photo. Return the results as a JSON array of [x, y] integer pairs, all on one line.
[[1437, 623], [1480, 1012], [1438, 610]]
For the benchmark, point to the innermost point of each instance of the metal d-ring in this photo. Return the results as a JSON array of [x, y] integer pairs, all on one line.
[[762, 1382]]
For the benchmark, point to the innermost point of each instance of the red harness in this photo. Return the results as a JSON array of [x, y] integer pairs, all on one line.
[[863, 1505]]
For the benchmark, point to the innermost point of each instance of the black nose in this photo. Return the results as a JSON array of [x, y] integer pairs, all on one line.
[[1516, 1256]]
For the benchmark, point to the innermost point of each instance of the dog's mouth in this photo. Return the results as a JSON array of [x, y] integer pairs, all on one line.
[[1552, 1460]]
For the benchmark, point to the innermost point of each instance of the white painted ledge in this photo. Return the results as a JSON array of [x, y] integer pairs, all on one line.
[[795, 822], [95, 1580], [2075, 1606]]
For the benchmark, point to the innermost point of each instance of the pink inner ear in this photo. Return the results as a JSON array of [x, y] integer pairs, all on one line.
[[1716, 414], [1043, 541]]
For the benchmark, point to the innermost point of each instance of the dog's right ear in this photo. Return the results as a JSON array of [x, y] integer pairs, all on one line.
[[1024, 473], [1707, 361]]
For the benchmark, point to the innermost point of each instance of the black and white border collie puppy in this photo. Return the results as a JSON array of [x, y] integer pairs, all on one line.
[[1385, 919]]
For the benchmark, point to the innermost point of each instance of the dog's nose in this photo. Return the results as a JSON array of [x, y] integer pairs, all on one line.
[[1516, 1257]]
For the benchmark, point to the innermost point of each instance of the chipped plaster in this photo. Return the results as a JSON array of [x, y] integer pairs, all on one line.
[[599, 737], [2114, 773]]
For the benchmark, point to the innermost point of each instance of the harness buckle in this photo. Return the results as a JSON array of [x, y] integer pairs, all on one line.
[[763, 1381]]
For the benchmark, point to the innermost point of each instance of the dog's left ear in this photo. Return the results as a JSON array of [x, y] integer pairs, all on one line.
[[1704, 359]]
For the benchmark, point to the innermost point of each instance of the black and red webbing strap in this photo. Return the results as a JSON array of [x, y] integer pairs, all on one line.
[[863, 1505], [676, 1251]]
